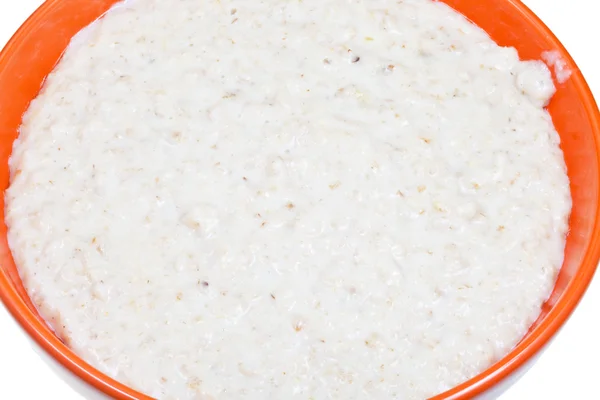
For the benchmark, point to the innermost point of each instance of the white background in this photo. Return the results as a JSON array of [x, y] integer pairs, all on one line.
[[564, 371]]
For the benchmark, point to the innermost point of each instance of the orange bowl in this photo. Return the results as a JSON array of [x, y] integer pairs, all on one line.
[[34, 50]]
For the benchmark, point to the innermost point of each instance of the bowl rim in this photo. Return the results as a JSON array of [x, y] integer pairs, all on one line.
[[489, 378]]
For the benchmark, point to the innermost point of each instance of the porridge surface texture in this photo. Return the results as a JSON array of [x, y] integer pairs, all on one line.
[[317, 199]]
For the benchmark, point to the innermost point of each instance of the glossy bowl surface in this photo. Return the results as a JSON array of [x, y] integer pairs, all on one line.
[[34, 50]]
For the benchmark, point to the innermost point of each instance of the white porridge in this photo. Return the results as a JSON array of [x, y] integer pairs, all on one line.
[[316, 199], [553, 59]]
